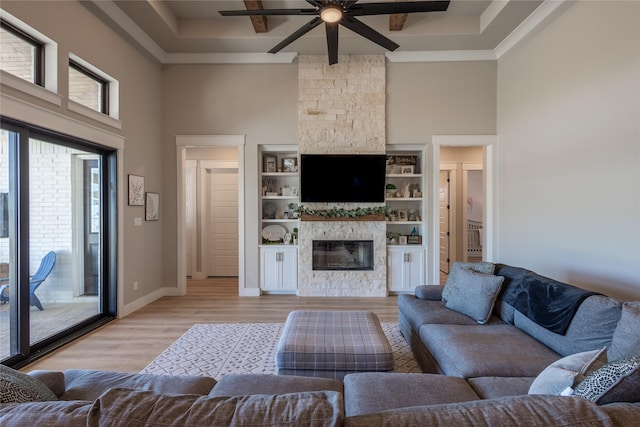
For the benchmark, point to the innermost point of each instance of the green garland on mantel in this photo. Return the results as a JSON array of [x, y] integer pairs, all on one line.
[[340, 212]]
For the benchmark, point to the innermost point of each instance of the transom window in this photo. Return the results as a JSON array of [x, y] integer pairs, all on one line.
[[88, 88], [21, 54]]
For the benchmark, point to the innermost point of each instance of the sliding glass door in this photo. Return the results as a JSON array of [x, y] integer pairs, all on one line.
[[55, 238]]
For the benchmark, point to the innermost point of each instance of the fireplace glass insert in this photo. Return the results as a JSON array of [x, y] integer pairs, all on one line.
[[342, 255]]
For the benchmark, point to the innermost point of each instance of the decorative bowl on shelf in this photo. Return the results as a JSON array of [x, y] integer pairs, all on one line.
[[273, 233]]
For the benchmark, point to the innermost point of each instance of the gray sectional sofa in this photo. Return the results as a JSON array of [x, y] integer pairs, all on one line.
[[486, 363], [100, 398]]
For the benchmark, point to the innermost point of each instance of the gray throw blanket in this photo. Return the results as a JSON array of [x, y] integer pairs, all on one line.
[[549, 303]]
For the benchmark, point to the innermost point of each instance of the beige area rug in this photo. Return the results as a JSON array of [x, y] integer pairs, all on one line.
[[246, 348]]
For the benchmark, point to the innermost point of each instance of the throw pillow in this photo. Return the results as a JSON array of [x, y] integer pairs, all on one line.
[[626, 339], [475, 294], [480, 267], [561, 376], [617, 381], [17, 387]]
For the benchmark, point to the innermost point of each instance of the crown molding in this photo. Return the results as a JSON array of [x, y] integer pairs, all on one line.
[[441, 56], [538, 16], [231, 58]]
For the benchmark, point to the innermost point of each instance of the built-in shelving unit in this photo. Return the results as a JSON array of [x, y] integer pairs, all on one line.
[[405, 197], [279, 189]]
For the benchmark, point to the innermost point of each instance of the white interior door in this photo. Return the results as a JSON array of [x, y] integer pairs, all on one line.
[[221, 219], [444, 221]]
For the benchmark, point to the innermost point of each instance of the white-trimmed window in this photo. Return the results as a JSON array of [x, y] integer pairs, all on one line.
[[21, 54], [88, 88], [92, 92]]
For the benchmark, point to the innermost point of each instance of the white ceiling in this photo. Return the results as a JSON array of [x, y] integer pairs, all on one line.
[[171, 27]]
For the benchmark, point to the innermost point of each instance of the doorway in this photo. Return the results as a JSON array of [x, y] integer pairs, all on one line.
[[211, 188], [457, 221], [202, 147]]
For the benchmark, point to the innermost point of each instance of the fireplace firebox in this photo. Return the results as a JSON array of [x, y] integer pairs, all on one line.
[[342, 255]]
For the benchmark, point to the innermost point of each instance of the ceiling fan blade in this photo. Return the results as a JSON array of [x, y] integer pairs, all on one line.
[[332, 42], [297, 34], [268, 12], [388, 8], [366, 31]]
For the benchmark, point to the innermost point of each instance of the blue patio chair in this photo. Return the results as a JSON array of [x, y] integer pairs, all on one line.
[[46, 265]]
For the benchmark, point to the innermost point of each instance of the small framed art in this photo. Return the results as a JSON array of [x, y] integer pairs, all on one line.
[[136, 190], [406, 170], [152, 207], [289, 164], [270, 164]]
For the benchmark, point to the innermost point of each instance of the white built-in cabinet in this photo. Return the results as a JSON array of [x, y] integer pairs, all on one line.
[[279, 268], [405, 268], [404, 195], [278, 189]]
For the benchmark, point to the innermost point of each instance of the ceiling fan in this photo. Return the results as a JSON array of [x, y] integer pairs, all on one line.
[[343, 12]]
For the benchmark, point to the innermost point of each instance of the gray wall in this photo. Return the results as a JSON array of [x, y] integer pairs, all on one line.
[[569, 156], [260, 101], [79, 31], [564, 103]]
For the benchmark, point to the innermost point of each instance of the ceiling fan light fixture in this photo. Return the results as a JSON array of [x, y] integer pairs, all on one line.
[[331, 14]]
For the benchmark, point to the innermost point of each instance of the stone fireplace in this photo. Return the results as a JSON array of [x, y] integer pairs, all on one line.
[[341, 110]]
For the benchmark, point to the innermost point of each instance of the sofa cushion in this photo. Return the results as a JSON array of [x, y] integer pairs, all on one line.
[[452, 277], [626, 339], [617, 381], [623, 413], [592, 327], [430, 292], [527, 410], [18, 387], [485, 351], [548, 302], [561, 376], [492, 387], [241, 384], [52, 413], [85, 384], [370, 392], [418, 312], [474, 294], [54, 380], [124, 407]]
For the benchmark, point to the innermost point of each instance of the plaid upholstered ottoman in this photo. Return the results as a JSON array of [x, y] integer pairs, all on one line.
[[332, 344]]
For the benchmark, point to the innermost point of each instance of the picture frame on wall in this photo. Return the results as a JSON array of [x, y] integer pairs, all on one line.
[[136, 190], [152, 207]]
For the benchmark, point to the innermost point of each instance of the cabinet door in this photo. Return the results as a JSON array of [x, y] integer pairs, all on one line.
[[395, 270], [405, 269], [414, 269], [270, 268], [289, 269]]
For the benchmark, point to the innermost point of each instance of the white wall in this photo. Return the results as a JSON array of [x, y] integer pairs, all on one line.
[[569, 148]]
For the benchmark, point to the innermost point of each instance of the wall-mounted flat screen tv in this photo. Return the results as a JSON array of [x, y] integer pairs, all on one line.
[[342, 177]]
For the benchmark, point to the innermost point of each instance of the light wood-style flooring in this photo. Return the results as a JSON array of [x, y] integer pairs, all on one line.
[[131, 343]]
